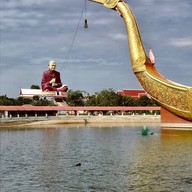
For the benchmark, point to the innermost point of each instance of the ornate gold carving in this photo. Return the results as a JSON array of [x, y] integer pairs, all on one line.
[[163, 93], [110, 3], [189, 96], [140, 68], [173, 99]]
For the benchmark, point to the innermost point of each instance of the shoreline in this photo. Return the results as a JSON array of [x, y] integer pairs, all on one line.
[[66, 120]]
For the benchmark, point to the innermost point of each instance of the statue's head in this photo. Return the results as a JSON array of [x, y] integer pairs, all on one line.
[[52, 65]]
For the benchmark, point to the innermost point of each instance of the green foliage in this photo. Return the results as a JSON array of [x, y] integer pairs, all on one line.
[[91, 101], [145, 101], [42, 102], [4, 100], [75, 98], [23, 101], [106, 97], [35, 87], [128, 101], [35, 98]]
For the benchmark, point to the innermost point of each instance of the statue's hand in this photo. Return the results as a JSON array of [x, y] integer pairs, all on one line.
[[52, 81], [54, 84]]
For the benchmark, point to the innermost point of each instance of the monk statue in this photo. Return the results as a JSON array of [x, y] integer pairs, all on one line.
[[51, 80]]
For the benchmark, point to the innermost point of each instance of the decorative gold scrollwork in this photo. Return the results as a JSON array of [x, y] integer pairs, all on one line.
[[111, 3]]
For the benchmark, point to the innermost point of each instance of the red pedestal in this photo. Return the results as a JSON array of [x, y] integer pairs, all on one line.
[[168, 117]]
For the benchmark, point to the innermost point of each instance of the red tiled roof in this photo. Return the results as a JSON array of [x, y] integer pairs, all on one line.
[[132, 93]]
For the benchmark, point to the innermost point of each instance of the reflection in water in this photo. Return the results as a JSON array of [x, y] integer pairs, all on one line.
[[48, 165], [113, 158], [163, 163]]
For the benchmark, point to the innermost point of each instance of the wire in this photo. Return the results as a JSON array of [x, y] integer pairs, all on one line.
[[73, 40], [85, 9]]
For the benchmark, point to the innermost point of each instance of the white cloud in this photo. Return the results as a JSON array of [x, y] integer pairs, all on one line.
[[119, 36], [182, 42], [36, 31], [25, 3]]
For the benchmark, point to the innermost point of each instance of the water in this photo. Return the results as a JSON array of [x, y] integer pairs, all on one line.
[[113, 158]]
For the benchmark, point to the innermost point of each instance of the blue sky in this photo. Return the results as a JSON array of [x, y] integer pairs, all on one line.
[[36, 31]]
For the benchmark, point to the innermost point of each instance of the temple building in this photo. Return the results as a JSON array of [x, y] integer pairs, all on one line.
[[134, 93]]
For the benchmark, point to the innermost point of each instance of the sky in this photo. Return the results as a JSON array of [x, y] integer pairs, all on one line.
[[33, 32]]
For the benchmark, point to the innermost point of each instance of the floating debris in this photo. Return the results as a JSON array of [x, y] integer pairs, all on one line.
[[78, 165]]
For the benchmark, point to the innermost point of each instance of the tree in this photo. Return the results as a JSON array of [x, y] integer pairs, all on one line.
[[145, 101], [75, 98], [106, 97], [23, 101], [91, 100], [35, 98], [128, 101], [35, 87], [42, 102], [4, 100]]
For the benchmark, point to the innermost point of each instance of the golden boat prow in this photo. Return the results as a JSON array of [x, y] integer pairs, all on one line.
[[175, 97]]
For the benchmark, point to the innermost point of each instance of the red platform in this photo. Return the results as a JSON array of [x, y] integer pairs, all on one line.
[[171, 121], [168, 117]]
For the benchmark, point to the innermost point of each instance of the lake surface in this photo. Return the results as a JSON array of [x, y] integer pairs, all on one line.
[[113, 158]]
